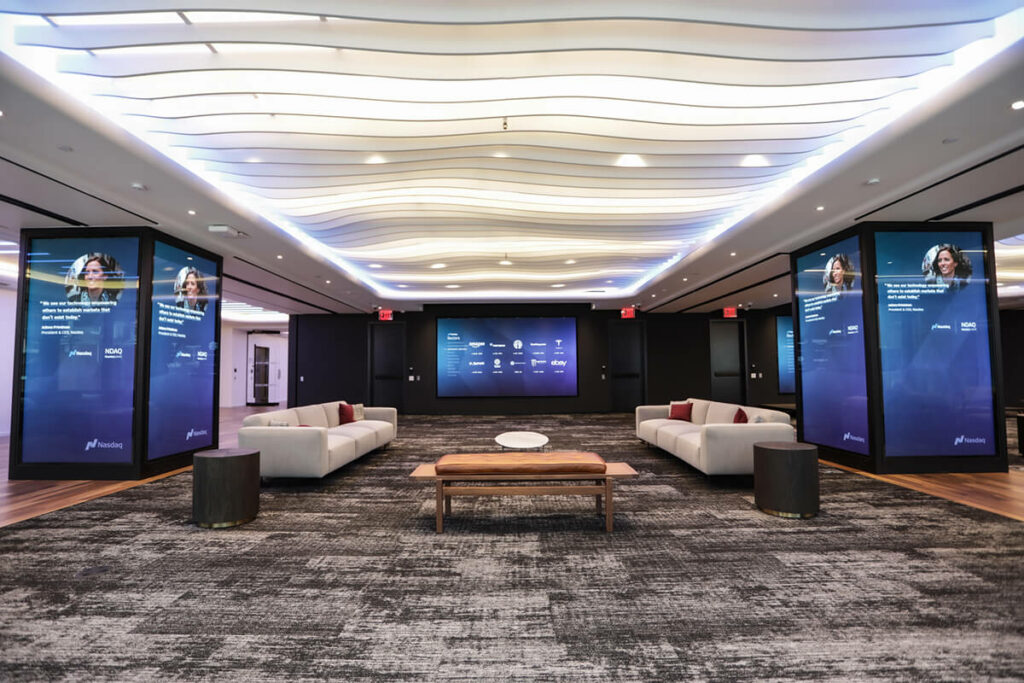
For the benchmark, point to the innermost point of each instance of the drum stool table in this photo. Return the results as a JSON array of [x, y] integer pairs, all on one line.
[[225, 487], [786, 478]]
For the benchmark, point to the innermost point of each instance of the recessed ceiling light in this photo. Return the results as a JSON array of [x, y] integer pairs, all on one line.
[[402, 286], [1016, 106], [1, 112], [253, 160], [191, 212], [500, 155], [653, 295], [754, 160], [558, 285], [872, 181], [570, 261], [775, 296], [437, 266], [686, 279], [819, 208], [452, 286], [504, 262], [139, 186], [376, 159], [327, 282], [376, 265], [732, 253], [630, 161], [608, 282], [280, 256]]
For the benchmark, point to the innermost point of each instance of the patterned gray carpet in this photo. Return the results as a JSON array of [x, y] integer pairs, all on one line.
[[345, 579]]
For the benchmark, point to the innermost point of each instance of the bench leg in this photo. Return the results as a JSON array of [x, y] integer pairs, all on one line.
[[598, 499], [440, 507], [447, 505], [609, 506]]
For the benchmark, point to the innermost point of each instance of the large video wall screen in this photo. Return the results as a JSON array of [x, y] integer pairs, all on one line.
[[182, 352], [479, 357], [80, 332], [934, 336], [784, 347], [833, 383]]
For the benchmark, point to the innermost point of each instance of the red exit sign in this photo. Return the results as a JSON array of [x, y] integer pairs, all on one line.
[[385, 314], [729, 312], [627, 313]]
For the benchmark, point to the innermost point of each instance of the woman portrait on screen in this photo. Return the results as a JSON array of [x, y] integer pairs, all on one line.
[[190, 289], [839, 274], [948, 265], [93, 278]]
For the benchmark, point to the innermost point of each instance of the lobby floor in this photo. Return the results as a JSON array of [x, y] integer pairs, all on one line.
[[998, 492]]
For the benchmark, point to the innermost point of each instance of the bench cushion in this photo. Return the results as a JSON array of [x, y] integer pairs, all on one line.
[[553, 462]]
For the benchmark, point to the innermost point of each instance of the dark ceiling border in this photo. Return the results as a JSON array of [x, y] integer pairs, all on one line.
[[297, 284], [939, 182], [72, 187], [737, 291], [41, 211], [715, 282], [981, 202]]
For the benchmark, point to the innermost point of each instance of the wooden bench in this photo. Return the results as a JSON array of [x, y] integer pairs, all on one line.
[[549, 473]]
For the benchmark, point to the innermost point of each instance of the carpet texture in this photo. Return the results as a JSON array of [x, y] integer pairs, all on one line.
[[345, 579]]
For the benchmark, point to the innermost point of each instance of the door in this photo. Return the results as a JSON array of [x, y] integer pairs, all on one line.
[[626, 364], [728, 362], [387, 364], [261, 374]]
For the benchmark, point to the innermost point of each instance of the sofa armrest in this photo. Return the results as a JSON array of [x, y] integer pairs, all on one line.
[[288, 451], [385, 414], [649, 413], [729, 448]]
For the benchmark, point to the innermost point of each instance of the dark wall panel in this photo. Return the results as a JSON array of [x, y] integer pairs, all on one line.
[[1011, 328], [328, 359], [678, 357], [763, 356]]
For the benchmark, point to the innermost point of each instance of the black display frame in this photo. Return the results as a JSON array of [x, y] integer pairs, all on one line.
[[876, 461], [139, 467], [437, 370]]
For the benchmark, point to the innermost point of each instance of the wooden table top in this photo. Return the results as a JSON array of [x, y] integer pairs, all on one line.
[[613, 470]]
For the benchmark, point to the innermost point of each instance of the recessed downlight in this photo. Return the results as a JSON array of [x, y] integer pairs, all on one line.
[[500, 155], [452, 286], [570, 261], [1018, 105], [141, 187], [402, 286], [557, 286], [754, 161], [191, 212], [376, 265], [327, 282], [438, 266], [376, 159], [819, 208], [253, 160], [504, 262], [732, 253], [775, 296], [630, 161], [279, 256]]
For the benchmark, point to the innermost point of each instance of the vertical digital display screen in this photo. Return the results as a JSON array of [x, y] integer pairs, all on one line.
[[80, 336], [833, 382], [183, 351], [785, 348], [934, 335], [506, 357]]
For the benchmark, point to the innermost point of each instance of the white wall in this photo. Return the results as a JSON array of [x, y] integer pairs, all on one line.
[[234, 355], [8, 309]]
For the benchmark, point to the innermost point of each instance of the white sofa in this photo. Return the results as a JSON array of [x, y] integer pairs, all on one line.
[[711, 442], [319, 448]]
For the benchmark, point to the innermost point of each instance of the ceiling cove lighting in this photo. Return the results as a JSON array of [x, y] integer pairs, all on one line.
[[302, 123]]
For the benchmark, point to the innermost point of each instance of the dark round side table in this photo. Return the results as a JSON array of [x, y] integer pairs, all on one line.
[[225, 487], [786, 478]]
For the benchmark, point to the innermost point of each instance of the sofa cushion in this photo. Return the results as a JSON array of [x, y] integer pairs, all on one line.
[[680, 411], [759, 415], [648, 429], [740, 417], [331, 413], [667, 434], [721, 413], [700, 410], [311, 415], [346, 413], [341, 449], [552, 462], [385, 431], [365, 437]]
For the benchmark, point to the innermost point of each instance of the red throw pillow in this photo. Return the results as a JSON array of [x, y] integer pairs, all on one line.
[[740, 418], [346, 413], [680, 411]]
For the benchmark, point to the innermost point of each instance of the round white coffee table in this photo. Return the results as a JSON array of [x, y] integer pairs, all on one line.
[[521, 440]]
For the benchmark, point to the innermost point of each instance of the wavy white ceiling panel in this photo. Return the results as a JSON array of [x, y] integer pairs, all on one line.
[[404, 134]]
